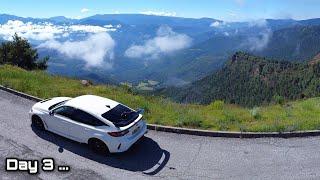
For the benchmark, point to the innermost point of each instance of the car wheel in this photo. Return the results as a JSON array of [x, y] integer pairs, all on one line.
[[98, 146], [37, 122]]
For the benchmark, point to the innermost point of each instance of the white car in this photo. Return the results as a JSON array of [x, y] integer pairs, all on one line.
[[105, 125]]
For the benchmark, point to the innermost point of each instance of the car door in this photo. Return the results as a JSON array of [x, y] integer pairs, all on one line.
[[85, 126], [59, 121]]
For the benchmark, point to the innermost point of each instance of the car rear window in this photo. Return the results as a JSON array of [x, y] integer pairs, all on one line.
[[121, 115]]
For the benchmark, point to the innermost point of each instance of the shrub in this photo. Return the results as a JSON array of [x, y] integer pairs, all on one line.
[[126, 88], [193, 123], [223, 125], [278, 99], [145, 107], [19, 52], [230, 117], [189, 120], [218, 105], [255, 113]]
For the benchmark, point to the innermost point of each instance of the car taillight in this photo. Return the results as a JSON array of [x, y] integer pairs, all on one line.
[[118, 134]]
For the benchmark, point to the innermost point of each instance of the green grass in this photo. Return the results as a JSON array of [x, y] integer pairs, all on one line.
[[292, 116]]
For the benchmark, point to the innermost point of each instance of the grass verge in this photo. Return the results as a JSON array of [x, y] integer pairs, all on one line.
[[292, 116]]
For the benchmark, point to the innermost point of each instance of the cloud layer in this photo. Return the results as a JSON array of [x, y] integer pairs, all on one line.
[[84, 10], [94, 47], [92, 50], [159, 13], [165, 42], [47, 31]]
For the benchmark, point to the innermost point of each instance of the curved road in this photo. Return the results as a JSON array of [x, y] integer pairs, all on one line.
[[158, 156]]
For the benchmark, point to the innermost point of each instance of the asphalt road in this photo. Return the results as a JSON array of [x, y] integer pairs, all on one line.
[[158, 156]]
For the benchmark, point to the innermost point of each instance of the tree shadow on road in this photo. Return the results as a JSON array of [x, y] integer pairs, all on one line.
[[145, 156]]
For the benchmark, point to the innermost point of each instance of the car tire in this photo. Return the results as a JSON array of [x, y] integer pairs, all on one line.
[[98, 146], [37, 123]]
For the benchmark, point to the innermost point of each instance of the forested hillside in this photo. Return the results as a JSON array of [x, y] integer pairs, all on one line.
[[250, 80], [298, 43]]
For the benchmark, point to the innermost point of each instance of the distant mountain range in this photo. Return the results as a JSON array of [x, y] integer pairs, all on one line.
[[251, 81], [171, 50]]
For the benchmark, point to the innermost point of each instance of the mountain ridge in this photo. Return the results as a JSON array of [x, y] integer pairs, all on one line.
[[250, 81]]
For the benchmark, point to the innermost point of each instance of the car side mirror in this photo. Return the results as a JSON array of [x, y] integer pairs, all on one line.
[[140, 111], [51, 113]]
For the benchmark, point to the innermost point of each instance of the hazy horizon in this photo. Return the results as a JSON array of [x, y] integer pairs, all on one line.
[[229, 10]]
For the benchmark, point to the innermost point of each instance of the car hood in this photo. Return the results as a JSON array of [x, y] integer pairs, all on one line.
[[45, 104]]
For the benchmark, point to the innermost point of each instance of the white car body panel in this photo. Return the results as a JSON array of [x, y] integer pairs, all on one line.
[[81, 132]]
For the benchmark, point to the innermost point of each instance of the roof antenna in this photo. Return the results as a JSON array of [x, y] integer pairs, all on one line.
[[108, 106]]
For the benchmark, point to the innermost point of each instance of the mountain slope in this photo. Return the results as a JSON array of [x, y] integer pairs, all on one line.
[[298, 43], [250, 80]]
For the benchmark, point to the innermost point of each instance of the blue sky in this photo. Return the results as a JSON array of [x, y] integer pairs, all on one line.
[[229, 10]]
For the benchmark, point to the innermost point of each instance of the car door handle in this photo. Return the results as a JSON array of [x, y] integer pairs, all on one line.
[[87, 129]]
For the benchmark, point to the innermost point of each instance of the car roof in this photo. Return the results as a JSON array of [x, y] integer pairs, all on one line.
[[92, 104]]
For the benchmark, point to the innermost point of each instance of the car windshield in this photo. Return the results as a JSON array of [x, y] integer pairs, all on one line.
[[57, 104], [121, 115]]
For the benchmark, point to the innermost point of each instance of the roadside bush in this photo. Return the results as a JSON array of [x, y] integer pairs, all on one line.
[[217, 105], [145, 107], [278, 99], [189, 120], [192, 123], [222, 125], [255, 113]]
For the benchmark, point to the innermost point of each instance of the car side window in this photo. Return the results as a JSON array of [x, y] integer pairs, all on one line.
[[83, 117], [65, 111]]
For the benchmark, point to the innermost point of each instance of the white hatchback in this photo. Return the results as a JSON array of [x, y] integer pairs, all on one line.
[[105, 125]]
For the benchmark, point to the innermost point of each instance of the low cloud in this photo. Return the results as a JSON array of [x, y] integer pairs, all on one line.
[[262, 23], [215, 24], [159, 13], [84, 10], [93, 50], [47, 31], [166, 41], [260, 41]]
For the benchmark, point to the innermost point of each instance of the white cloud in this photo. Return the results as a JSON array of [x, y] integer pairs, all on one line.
[[84, 10], [165, 42], [29, 30], [259, 42], [240, 2], [92, 50], [159, 13], [232, 13], [89, 28], [47, 31], [258, 23], [215, 24]]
